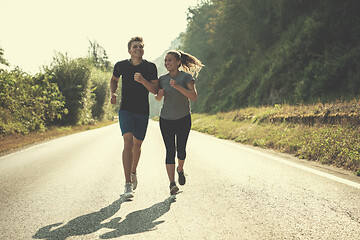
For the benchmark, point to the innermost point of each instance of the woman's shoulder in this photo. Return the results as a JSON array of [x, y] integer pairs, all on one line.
[[165, 76], [186, 75]]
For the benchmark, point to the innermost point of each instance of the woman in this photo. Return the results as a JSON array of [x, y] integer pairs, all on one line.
[[177, 88]]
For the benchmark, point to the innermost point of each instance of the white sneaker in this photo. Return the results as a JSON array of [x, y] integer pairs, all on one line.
[[128, 192], [134, 180]]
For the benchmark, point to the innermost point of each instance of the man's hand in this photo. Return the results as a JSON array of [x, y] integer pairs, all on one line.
[[113, 98], [139, 78]]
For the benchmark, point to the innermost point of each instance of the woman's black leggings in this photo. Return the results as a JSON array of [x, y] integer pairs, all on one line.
[[175, 129]]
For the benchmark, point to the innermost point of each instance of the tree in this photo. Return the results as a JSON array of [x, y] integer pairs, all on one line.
[[2, 60], [98, 55], [260, 52], [73, 79], [28, 103]]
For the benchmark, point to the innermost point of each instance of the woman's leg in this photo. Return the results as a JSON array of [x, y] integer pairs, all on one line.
[[170, 169], [182, 135], [168, 134]]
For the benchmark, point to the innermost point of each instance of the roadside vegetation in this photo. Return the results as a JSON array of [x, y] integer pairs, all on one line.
[[260, 53], [326, 133], [68, 92], [67, 96]]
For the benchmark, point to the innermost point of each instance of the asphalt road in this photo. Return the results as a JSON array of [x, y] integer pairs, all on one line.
[[69, 188]]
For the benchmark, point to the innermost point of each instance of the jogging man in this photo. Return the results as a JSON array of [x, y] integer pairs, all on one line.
[[139, 77]]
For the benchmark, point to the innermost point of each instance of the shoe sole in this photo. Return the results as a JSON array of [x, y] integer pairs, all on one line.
[[128, 195], [174, 190]]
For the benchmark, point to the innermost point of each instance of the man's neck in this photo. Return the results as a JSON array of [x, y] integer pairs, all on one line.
[[136, 61]]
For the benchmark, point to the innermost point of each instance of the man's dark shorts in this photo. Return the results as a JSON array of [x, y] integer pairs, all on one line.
[[134, 123]]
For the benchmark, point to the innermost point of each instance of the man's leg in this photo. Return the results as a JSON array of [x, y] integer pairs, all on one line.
[[136, 152], [140, 127], [127, 155]]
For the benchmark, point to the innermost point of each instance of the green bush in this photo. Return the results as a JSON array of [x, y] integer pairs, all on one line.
[[28, 103], [73, 79], [101, 109]]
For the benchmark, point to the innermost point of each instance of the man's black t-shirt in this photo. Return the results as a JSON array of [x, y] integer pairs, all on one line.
[[134, 96]]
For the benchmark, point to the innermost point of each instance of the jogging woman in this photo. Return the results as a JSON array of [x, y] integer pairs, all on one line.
[[177, 87]]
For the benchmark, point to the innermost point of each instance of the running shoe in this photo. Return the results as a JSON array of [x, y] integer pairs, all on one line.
[[173, 188], [182, 179], [128, 192], [134, 180]]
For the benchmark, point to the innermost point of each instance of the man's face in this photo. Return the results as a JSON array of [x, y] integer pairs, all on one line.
[[136, 49]]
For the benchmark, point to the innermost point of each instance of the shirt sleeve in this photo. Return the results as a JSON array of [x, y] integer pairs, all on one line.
[[189, 78], [117, 70], [154, 73], [160, 85]]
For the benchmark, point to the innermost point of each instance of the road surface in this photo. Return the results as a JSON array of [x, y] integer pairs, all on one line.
[[69, 188]]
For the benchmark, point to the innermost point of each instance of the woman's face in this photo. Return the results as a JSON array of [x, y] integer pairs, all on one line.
[[171, 64]]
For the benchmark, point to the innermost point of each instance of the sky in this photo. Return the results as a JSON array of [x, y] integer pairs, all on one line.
[[32, 31]]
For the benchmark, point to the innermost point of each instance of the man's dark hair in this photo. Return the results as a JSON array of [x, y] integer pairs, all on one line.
[[135, 39]]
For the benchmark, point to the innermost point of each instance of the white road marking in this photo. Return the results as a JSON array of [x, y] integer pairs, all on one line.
[[299, 166]]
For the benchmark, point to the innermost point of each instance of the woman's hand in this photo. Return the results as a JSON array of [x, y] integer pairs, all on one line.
[[161, 92], [173, 83]]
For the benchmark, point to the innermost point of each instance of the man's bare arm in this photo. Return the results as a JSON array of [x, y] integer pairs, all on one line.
[[152, 86], [113, 86]]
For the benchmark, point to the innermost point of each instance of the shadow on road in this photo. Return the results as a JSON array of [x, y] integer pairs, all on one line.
[[139, 221], [135, 222]]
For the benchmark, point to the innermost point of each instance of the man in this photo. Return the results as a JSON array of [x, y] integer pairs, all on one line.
[[139, 77]]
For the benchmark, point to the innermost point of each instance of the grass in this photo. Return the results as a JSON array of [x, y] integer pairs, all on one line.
[[12, 142], [326, 133]]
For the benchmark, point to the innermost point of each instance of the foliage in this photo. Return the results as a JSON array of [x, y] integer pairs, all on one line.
[[98, 56], [73, 79], [2, 59], [69, 92], [28, 103], [101, 109], [260, 52], [101, 72], [332, 143], [84, 86]]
